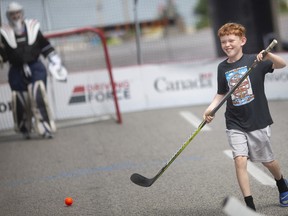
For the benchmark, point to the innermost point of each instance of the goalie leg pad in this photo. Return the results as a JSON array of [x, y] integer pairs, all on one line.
[[44, 123], [21, 109]]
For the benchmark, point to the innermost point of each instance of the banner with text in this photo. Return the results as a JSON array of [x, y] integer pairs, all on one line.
[[89, 94]]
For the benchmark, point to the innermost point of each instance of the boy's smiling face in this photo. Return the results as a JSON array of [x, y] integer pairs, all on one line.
[[232, 46]]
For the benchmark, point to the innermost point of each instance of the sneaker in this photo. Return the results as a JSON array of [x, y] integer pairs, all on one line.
[[284, 199], [26, 135]]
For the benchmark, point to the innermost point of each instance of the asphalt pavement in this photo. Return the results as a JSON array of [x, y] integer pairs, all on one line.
[[92, 163]]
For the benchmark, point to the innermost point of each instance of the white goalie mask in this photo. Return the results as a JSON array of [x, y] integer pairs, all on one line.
[[15, 16]]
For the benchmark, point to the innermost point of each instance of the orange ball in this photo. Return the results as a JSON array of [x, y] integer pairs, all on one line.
[[68, 201]]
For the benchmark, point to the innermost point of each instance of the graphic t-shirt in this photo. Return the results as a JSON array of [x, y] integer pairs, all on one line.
[[247, 108]]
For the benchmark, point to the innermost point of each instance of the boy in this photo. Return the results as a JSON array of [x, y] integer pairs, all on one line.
[[247, 113]]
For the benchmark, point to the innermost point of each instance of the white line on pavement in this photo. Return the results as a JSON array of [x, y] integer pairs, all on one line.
[[254, 171], [192, 119]]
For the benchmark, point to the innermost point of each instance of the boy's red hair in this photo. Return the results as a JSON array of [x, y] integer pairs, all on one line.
[[232, 28]]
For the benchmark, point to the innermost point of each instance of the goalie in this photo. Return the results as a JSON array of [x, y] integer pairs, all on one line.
[[22, 45]]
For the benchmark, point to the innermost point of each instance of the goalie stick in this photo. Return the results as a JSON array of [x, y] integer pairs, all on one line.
[[147, 182]]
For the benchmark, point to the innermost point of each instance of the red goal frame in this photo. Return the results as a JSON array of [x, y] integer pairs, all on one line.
[[107, 57]]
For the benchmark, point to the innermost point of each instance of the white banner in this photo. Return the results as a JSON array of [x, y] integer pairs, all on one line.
[[178, 85], [6, 117], [138, 88]]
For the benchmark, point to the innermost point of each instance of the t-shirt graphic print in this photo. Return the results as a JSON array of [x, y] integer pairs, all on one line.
[[244, 93]]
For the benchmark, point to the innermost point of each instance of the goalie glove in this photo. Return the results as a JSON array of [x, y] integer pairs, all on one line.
[[56, 68]]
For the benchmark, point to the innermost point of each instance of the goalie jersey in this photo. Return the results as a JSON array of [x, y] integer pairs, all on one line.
[[24, 48]]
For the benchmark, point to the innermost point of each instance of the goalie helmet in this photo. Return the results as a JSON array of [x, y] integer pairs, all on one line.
[[15, 16], [14, 6]]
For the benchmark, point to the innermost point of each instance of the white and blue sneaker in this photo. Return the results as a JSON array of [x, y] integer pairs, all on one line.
[[284, 197]]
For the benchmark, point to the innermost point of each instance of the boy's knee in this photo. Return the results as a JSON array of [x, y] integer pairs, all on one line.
[[240, 161], [269, 164]]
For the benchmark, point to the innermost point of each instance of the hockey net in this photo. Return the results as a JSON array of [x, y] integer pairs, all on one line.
[[89, 95], [90, 92]]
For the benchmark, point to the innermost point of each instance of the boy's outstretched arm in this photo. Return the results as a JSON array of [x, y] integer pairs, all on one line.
[[214, 103]]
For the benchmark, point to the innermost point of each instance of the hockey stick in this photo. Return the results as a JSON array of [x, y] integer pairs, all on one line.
[[146, 182]]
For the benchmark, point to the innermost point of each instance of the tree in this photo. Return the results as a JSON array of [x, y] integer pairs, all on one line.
[[202, 12], [283, 6]]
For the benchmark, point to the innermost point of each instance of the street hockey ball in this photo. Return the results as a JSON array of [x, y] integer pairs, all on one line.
[[68, 201]]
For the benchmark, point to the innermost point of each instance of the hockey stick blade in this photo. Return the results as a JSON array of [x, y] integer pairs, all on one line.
[[141, 180]]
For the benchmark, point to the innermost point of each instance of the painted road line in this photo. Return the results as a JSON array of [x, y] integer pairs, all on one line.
[[194, 120], [254, 171]]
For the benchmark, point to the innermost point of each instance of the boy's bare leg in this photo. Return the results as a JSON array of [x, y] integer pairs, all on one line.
[[274, 169], [243, 180], [242, 175]]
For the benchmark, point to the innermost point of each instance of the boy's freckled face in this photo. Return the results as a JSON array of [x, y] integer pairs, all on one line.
[[232, 45]]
